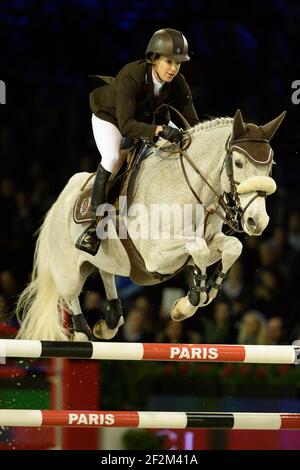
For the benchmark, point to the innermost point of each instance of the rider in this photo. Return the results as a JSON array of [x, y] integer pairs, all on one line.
[[126, 106]]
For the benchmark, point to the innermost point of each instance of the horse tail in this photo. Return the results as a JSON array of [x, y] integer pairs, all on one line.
[[40, 307]]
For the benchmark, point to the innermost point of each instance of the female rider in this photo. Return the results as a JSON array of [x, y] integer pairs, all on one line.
[[126, 106]]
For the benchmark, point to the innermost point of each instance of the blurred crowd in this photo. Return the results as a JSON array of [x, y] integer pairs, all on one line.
[[45, 137]]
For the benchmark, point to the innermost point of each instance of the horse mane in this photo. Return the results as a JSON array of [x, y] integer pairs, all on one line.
[[203, 126], [210, 124]]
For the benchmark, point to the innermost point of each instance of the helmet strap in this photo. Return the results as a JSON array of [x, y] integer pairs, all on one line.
[[156, 73]]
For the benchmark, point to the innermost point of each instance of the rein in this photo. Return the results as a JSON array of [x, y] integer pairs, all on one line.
[[233, 214]]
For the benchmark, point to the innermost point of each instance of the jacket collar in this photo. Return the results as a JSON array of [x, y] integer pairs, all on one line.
[[164, 91]]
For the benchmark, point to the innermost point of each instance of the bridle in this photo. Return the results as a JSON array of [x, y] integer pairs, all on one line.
[[232, 199], [229, 202]]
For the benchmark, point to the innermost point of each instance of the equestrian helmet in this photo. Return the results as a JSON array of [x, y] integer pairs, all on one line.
[[168, 42]]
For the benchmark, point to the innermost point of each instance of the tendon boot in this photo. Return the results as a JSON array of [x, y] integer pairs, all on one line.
[[88, 240]]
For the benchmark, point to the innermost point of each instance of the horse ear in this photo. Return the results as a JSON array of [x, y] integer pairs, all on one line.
[[271, 127], [238, 127]]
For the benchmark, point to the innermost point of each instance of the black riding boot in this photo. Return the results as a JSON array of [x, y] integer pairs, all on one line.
[[88, 240]]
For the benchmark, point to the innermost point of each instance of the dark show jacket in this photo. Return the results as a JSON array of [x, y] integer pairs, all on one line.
[[129, 103]]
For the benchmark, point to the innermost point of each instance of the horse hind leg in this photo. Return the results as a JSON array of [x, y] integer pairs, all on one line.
[[108, 328], [71, 282], [81, 330]]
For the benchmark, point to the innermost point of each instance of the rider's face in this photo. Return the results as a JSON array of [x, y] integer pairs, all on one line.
[[166, 68]]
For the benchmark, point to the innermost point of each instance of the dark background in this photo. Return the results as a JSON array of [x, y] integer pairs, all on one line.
[[243, 54]]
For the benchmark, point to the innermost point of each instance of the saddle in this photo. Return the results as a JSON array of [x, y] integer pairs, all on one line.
[[122, 181], [117, 183]]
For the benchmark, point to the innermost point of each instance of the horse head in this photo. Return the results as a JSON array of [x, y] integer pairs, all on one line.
[[246, 171]]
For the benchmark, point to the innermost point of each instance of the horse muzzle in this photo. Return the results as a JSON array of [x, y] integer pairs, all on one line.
[[254, 228], [255, 218]]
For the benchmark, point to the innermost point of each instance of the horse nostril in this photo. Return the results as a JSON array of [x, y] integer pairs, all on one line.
[[251, 222]]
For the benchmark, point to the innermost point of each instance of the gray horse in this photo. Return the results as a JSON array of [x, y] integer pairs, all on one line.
[[225, 170]]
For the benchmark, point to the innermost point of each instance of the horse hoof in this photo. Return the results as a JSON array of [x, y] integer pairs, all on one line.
[[102, 331], [178, 316], [207, 302], [181, 305], [79, 336]]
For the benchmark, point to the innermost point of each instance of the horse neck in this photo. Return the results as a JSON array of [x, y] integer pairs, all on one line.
[[207, 151]]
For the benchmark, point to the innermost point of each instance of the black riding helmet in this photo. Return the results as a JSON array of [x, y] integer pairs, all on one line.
[[168, 42]]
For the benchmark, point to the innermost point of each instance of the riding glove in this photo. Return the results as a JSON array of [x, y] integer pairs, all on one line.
[[171, 134]]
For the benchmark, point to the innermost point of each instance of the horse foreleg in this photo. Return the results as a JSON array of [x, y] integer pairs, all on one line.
[[81, 329], [186, 306], [108, 328], [230, 249]]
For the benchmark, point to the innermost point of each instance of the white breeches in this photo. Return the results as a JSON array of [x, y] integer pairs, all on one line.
[[108, 140]]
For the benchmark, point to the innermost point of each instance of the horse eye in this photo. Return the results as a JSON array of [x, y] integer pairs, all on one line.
[[238, 164]]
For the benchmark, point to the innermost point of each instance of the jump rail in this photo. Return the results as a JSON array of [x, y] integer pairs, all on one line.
[[150, 419], [150, 351]]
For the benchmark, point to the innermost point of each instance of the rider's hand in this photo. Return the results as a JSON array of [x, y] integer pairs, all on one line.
[[171, 134]]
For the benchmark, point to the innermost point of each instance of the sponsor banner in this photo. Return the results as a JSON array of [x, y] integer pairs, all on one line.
[[90, 419], [194, 353]]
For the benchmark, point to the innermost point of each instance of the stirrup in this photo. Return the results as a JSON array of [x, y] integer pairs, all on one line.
[[92, 245]]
